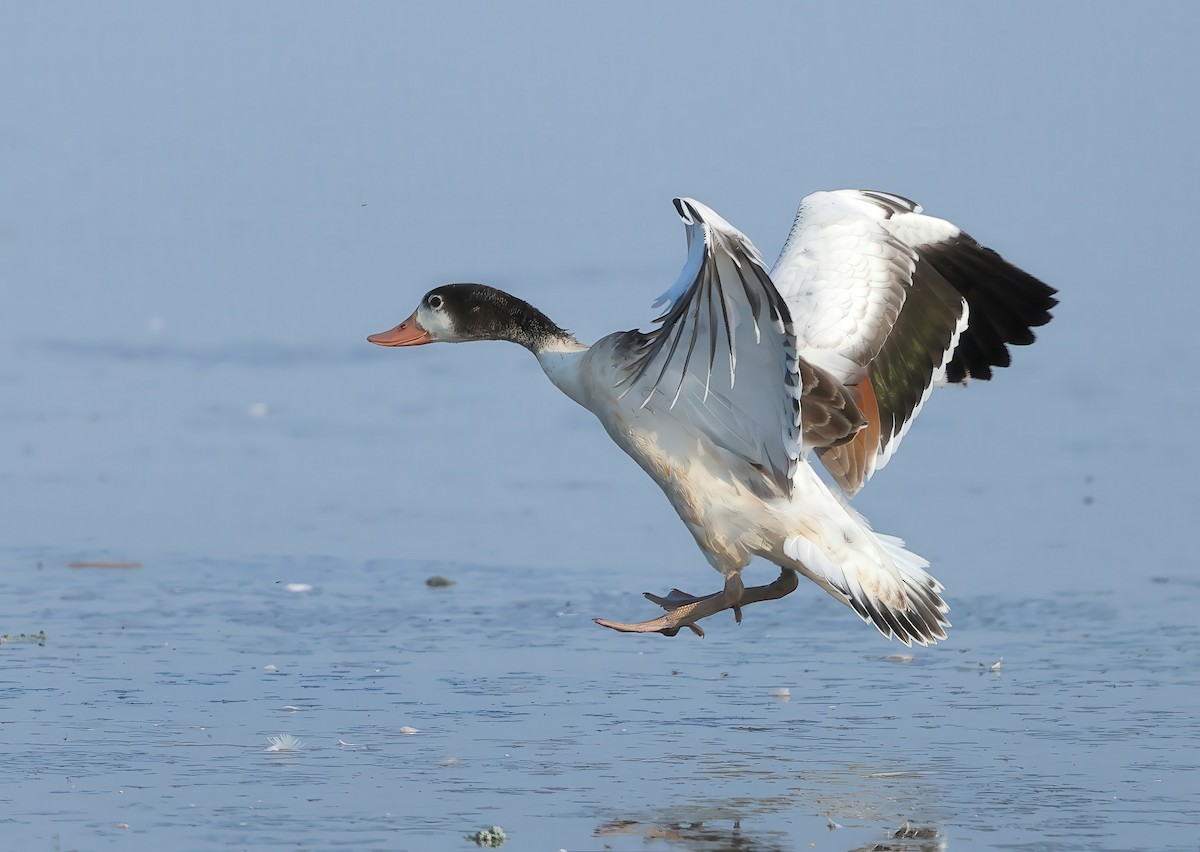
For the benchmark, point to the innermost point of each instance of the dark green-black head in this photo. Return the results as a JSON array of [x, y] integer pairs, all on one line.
[[457, 313]]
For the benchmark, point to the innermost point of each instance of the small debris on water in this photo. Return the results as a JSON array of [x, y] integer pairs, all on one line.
[[449, 761], [489, 838], [832, 825], [437, 581], [996, 665], [409, 729], [270, 667], [298, 587], [899, 658], [284, 742], [782, 694], [38, 638]]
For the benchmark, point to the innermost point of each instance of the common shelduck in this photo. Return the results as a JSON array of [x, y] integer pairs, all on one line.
[[833, 351]]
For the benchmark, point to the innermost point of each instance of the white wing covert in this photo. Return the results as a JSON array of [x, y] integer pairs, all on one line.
[[893, 302]]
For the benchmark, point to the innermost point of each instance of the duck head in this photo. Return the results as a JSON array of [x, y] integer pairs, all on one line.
[[457, 313]]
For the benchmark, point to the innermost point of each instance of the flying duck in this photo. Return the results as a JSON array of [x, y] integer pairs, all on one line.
[[749, 371]]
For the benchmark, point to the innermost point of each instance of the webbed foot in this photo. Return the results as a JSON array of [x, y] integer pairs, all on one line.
[[684, 610]]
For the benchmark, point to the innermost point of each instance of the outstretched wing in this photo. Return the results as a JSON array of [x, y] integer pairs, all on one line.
[[722, 362], [893, 302]]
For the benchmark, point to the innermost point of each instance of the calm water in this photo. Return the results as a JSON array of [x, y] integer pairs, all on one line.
[[206, 212], [144, 719]]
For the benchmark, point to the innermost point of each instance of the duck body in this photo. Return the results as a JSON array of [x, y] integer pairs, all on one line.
[[726, 399], [731, 508]]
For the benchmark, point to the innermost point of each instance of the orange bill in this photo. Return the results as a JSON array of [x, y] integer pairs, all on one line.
[[408, 333]]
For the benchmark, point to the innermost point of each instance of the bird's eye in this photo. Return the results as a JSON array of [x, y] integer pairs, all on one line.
[[435, 302]]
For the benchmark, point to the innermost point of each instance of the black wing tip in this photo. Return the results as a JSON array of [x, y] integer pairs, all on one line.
[[1006, 303]]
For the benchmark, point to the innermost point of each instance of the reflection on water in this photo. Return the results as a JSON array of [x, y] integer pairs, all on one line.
[[908, 838], [705, 833], [722, 830]]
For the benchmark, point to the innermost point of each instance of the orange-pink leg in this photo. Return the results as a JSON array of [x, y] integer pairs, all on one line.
[[684, 610], [684, 613], [677, 601]]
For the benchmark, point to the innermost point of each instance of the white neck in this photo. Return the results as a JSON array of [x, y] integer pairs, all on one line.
[[563, 362]]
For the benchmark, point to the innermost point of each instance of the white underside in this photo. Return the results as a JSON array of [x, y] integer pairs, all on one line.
[[732, 509]]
